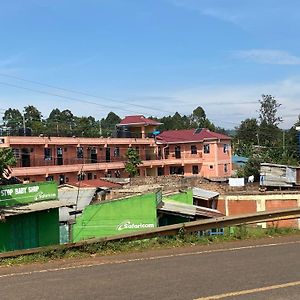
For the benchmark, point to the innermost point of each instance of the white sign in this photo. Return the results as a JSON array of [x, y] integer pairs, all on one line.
[[129, 225]]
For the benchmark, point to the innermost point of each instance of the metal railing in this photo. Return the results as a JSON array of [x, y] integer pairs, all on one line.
[[194, 226]]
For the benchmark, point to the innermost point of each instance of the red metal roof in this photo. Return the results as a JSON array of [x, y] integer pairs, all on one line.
[[189, 135], [138, 120]]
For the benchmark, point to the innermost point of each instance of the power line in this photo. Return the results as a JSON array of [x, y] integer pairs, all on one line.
[[80, 92], [65, 97]]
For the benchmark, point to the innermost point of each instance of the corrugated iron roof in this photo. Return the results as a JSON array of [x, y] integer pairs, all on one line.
[[204, 194], [33, 207], [189, 135], [188, 210], [138, 120], [71, 197]]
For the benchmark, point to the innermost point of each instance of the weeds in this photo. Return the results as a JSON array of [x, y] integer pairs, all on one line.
[[181, 239]]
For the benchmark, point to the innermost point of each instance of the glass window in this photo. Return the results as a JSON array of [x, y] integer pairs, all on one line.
[[206, 148], [193, 149], [16, 153], [225, 148], [117, 152], [79, 152], [47, 154], [225, 168]]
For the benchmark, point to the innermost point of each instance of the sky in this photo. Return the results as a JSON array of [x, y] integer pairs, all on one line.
[[151, 57]]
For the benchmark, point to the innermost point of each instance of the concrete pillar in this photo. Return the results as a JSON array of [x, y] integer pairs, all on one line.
[[261, 206]]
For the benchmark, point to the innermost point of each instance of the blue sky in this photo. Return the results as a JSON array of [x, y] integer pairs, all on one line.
[[151, 57]]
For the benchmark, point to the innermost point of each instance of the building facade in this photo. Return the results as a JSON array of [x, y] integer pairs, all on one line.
[[69, 159]]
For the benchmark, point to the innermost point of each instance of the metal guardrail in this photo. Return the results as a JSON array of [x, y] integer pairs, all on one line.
[[220, 222]]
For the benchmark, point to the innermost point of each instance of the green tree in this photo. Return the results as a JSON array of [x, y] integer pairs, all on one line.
[[132, 163], [108, 124], [13, 121], [246, 136], [87, 127], [33, 120], [7, 160], [269, 133]]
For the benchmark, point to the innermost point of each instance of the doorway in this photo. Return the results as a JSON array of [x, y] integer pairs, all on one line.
[[25, 157], [59, 156]]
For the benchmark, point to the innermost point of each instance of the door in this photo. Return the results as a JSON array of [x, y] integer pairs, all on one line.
[[107, 154], [25, 157], [177, 152], [24, 232], [59, 156], [62, 179], [93, 155]]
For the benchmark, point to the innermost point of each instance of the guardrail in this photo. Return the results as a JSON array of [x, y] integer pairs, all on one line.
[[220, 222]]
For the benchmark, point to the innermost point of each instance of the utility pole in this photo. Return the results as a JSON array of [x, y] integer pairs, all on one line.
[[298, 131], [24, 126]]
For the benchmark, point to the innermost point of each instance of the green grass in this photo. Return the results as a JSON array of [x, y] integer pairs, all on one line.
[[180, 240]]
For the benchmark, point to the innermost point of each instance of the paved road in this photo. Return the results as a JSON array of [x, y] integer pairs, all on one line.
[[257, 270]]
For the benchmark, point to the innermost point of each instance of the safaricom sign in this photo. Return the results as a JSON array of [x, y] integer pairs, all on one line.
[[128, 225]]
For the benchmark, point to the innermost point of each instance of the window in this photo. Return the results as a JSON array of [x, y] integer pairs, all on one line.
[[211, 166], [167, 152], [117, 152], [89, 176], [195, 169], [206, 148], [225, 168], [79, 152], [16, 153], [47, 154], [193, 149], [177, 152], [49, 178], [225, 148], [137, 149], [80, 176]]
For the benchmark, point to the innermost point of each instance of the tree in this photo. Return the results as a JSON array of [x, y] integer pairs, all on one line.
[[87, 127], [246, 136], [108, 124], [33, 119], [13, 120], [268, 129], [7, 159], [133, 161]]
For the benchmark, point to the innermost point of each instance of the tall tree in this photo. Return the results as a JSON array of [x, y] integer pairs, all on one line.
[[33, 119], [108, 124], [246, 136], [268, 129], [13, 121], [87, 127]]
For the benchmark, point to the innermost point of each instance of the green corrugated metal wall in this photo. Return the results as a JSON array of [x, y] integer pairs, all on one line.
[[30, 230], [116, 217]]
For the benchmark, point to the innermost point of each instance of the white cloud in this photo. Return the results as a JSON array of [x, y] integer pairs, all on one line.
[[228, 105], [268, 56]]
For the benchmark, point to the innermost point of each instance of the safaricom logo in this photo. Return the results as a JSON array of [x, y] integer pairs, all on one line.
[[128, 225]]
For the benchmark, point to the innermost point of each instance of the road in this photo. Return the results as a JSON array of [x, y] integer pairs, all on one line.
[[261, 269]]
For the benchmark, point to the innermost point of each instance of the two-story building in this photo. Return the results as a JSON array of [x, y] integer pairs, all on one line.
[[197, 152]]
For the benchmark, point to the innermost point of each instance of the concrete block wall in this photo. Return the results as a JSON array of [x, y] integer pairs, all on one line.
[[243, 204]]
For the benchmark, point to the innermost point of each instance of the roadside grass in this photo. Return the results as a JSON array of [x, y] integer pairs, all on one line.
[[182, 239]]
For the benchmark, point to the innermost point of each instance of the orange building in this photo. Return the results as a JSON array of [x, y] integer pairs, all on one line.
[[66, 159]]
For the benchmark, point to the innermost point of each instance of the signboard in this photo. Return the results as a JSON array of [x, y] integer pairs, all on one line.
[[18, 194]]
